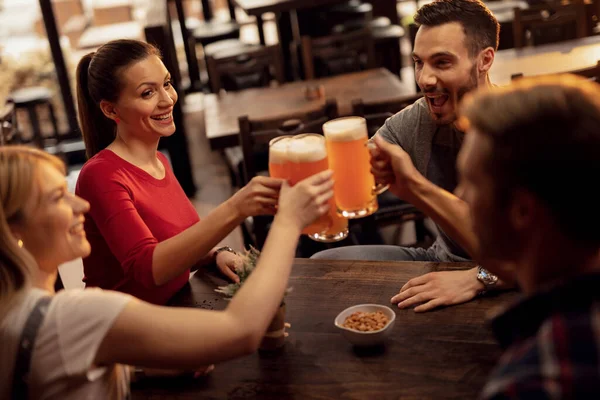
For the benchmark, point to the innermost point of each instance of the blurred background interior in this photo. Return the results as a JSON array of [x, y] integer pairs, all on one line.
[[268, 60]]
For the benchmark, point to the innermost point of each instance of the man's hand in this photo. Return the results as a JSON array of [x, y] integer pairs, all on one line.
[[391, 165], [437, 289]]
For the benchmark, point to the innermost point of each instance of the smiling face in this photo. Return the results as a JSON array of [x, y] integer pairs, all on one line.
[[145, 104], [444, 70], [52, 227]]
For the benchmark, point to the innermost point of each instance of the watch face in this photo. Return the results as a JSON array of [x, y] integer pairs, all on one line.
[[486, 278]]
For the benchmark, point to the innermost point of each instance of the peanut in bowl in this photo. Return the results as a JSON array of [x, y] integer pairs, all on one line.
[[366, 324]]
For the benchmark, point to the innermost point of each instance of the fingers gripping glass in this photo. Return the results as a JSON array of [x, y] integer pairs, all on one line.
[[349, 158], [296, 158]]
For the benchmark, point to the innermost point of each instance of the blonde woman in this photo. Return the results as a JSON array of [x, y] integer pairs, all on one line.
[[84, 338]]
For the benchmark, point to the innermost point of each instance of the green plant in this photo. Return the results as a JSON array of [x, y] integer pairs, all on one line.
[[249, 260]]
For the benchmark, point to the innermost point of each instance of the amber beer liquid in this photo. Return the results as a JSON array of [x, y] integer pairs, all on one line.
[[298, 158], [349, 158]]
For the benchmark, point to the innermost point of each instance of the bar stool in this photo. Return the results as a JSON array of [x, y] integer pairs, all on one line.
[[29, 99], [214, 36], [210, 31]]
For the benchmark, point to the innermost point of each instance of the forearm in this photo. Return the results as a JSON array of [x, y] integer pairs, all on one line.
[[447, 210], [206, 260], [194, 245], [265, 288]]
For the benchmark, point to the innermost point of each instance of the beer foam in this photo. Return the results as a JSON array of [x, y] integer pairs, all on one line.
[[307, 149], [278, 151], [345, 129]]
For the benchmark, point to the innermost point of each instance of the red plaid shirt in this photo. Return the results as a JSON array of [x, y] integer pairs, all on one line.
[[552, 345]]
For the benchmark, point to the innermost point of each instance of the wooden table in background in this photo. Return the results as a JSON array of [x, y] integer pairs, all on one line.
[[545, 59], [445, 354], [290, 28], [222, 112]]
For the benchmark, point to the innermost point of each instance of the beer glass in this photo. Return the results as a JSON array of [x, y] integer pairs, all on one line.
[[278, 158], [349, 158], [296, 158]]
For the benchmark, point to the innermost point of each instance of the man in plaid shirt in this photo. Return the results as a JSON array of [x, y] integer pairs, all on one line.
[[530, 166]]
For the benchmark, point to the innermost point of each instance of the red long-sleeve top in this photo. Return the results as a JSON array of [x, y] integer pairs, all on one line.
[[130, 213]]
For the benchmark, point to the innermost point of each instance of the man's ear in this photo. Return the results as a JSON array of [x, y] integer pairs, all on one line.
[[109, 110], [486, 59]]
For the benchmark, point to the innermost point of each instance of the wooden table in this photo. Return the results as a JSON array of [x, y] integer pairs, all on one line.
[[546, 59], [221, 113], [446, 354]]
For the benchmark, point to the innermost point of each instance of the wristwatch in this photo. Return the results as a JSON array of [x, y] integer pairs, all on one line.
[[488, 279], [222, 249]]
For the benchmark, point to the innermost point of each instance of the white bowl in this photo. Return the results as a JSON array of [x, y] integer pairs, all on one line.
[[372, 338]]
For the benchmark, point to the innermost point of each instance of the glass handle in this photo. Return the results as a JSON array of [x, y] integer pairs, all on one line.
[[380, 188]]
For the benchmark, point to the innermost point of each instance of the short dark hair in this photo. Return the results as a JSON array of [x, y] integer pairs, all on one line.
[[481, 28], [98, 79], [545, 139]]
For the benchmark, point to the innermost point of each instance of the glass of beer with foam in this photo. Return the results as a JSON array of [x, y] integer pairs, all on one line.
[[349, 158], [279, 164], [295, 159]]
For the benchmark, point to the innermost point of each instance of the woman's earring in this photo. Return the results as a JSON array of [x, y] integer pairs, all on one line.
[[20, 243], [117, 120]]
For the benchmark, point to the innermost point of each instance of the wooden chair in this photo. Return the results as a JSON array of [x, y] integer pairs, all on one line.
[[205, 33], [8, 124], [31, 100], [386, 41], [321, 21], [592, 73], [392, 210], [549, 23], [337, 54], [239, 69], [254, 139]]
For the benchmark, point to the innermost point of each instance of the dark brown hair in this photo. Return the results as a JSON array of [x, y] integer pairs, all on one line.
[[546, 139], [481, 28], [98, 79]]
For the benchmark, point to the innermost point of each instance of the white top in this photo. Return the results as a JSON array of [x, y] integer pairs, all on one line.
[[62, 365]]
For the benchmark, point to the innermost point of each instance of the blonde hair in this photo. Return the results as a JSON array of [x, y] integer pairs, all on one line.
[[18, 171]]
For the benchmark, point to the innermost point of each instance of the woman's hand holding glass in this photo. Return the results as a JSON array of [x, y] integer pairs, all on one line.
[[306, 201], [258, 197]]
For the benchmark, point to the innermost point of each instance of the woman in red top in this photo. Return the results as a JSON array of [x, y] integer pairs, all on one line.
[[145, 233]]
